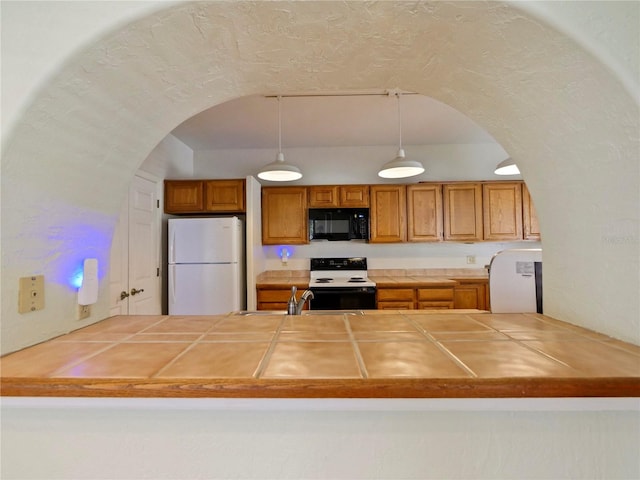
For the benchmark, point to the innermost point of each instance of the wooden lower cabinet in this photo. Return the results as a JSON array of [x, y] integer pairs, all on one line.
[[435, 298], [274, 298], [428, 298], [467, 294], [472, 294], [395, 298]]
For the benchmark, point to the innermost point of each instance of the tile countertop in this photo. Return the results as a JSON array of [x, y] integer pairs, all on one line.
[[381, 354], [383, 278]]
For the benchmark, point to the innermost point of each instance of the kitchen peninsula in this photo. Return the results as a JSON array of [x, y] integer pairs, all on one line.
[[357, 354]]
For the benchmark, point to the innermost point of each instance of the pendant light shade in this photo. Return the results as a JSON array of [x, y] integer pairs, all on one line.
[[279, 171], [400, 167], [507, 167]]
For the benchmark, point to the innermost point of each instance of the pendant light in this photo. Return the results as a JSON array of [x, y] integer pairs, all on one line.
[[507, 167], [279, 171], [400, 167]]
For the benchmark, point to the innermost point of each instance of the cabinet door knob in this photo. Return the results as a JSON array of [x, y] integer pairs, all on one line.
[[123, 295], [134, 291]]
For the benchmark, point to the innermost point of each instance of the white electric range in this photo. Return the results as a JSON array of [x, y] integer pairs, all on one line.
[[341, 284]]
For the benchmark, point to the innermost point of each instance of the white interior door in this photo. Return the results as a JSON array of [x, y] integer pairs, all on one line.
[[119, 264], [135, 254]]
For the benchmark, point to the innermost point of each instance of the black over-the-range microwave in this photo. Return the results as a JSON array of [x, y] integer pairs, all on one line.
[[338, 224]]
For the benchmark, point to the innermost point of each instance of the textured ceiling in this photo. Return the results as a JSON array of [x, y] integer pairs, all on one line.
[[329, 120]]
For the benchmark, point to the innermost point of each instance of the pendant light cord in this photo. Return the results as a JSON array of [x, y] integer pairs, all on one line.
[[279, 125], [399, 121]]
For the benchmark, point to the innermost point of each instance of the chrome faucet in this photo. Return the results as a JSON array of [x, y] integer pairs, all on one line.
[[295, 308]]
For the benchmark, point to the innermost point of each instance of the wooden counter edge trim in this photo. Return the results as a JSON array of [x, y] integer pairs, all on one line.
[[525, 387]]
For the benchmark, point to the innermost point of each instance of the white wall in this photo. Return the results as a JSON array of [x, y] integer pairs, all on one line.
[[358, 164], [255, 254], [170, 159], [522, 439], [393, 256]]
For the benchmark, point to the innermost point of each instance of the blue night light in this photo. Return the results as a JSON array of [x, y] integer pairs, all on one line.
[[77, 277], [85, 241], [284, 253]]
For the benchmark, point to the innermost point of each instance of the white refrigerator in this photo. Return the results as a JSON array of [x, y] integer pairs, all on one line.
[[515, 281], [206, 266]]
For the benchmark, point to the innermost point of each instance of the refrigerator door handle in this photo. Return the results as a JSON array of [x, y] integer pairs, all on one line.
[[172, 283], [172, 248]]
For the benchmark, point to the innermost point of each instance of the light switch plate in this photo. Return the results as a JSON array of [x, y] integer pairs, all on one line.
[[31, 294]]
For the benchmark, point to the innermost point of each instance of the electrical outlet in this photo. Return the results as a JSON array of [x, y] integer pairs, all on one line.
[[84, 311], [471, 259], [31, 294]]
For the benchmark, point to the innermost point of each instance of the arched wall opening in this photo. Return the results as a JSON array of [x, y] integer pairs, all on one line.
[[566, 119]]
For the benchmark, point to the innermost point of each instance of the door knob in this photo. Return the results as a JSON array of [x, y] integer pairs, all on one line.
[[123, 295], [134, 291]]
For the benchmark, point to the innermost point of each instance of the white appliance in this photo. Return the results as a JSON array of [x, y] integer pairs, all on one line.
[[515, 281], [206, 266], [341, 283]]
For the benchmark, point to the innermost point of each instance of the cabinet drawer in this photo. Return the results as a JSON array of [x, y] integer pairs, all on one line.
[[434, 305], [272, 306], [274, 296], [425, 294], [279, 296], [395, 294], [395, 305]]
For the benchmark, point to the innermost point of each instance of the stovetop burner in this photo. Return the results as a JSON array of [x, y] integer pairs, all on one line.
[[345, 272]]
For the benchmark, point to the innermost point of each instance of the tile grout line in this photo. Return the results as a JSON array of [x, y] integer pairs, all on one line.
[[110, 345], [356, 348], [190, 347], [538, 351], [444, 349], [171, 362], [68, 366], [544, 354], [266, 358]]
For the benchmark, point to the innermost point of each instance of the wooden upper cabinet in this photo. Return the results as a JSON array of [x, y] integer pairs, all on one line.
[[463, 212], [424, 213], [323, 196], [204, 196], [531, 229], [388, 212], [284, 216], [354, 196], [183, 196], [224, 195], [502, 204], [333, 196]]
